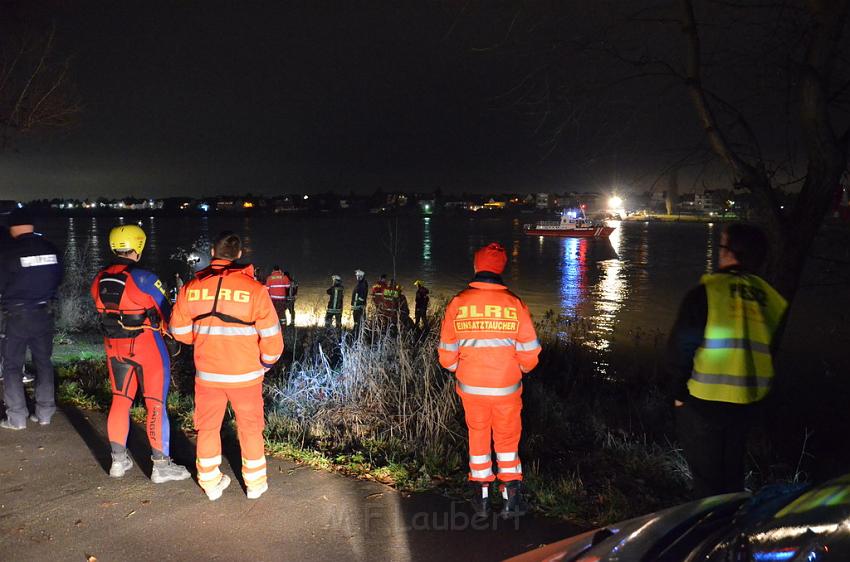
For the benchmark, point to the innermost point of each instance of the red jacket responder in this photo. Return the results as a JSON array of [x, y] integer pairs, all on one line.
[[277, 285], [229, 318], [488, 339]]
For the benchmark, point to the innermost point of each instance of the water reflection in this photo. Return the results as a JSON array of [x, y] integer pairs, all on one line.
[[152, 248], [709, 248], [427, 266], [516, 274], [95, 247], [247, 240], [573, 281], [613, 285], [611, 291]]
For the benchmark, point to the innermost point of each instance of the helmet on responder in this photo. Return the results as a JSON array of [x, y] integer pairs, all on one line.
[[359, 273], [418, 283], [336, 278], [126, 238]]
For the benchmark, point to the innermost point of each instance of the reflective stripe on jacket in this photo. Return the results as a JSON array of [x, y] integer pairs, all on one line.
[[241, 339], [276, 285], [337, 294], [488, 339], [734, 363]]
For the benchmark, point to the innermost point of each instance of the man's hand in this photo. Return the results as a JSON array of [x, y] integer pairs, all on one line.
[[678, 403]]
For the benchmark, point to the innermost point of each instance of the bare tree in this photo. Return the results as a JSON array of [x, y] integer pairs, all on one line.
[[769, 81], [815, 93], [35, 90]]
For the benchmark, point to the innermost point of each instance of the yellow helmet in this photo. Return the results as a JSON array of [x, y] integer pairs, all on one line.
[[417, 282], [127, 237]]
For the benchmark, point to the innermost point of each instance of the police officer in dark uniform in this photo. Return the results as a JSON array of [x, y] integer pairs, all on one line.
[[30, 274]]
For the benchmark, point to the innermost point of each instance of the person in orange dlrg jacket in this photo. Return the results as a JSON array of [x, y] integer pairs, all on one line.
[[488, 340], [230, 319]]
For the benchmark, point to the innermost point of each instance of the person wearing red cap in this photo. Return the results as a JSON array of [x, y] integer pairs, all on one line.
[[488, 340]]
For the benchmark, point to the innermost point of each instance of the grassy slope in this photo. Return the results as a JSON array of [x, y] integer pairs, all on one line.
[[384, 410]]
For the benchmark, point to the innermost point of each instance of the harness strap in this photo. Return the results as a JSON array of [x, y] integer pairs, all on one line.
[[214, 312]]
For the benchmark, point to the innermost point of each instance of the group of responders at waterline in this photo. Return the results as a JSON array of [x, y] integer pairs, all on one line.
[[389, 304], [386, 298]]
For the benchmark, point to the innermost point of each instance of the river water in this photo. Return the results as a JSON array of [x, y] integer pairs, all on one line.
[[633, 281]]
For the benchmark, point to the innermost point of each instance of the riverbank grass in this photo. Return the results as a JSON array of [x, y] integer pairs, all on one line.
[[381, 408]]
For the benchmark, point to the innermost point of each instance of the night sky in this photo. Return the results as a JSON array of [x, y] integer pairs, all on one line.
[[200, 98]]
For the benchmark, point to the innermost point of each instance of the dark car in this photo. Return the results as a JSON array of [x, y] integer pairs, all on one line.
[[780, 523]]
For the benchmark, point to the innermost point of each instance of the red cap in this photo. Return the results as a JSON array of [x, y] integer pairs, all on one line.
[[491, 258]]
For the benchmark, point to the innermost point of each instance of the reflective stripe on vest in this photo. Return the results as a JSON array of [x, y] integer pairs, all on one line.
[[449, 346], [220, 377], [734, 363], [489, 391]]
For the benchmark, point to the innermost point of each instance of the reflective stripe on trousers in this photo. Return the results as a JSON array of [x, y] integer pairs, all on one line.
[[479, 459], [488, 391], [481, 474], [254, 472]]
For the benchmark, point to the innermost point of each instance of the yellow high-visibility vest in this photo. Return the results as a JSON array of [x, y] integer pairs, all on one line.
[[734, 362]]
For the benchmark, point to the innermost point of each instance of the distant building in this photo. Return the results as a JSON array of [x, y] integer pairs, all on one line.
[[541, 200], [708, 202]]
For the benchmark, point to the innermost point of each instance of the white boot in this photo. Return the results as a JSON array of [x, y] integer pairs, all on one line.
[[121, 463], [164, 470]]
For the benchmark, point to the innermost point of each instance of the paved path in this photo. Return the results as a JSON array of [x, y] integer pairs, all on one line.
[[57, 503]]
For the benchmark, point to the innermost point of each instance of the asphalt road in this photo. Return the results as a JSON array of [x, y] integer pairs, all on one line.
[[58, 503]]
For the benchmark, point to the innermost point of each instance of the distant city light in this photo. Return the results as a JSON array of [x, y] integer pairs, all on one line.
[[306, 197], [204, 207], [248, 205]]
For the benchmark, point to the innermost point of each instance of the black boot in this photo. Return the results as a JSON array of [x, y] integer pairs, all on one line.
[[480, 501], [514, 503]]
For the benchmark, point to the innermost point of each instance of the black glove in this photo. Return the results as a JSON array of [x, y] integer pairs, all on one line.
[[172, 345]]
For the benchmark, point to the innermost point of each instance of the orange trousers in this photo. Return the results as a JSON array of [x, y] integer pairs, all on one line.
[[247, 404], [494, 422]]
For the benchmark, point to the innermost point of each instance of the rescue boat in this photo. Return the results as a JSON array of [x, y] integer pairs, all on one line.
[[571, 225]]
